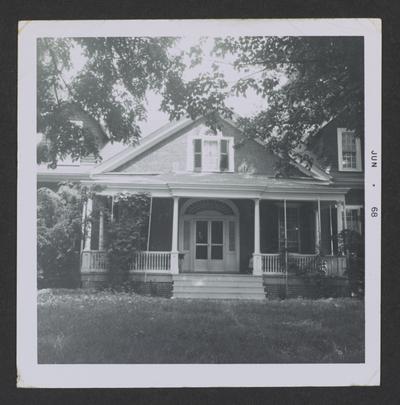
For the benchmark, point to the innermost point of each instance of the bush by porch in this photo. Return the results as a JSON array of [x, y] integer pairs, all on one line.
[[76, 326]]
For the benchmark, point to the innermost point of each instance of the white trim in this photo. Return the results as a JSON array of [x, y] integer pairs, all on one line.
[[218, 137], [358, 167], [210, 216]]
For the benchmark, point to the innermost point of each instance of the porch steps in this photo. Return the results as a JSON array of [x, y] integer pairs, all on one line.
[[218, 286]]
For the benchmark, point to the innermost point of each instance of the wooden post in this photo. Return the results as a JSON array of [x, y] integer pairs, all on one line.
[[88, 225], [112, 208], [286, 247], [319, 225], [257, 268], [101, 230], [149, 224], [174, 250], [330, 227]]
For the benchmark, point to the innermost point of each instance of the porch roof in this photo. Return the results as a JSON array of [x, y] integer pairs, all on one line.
[[230, 185]]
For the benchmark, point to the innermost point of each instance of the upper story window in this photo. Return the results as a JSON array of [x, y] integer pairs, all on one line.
[[211, 153], [349, 151]]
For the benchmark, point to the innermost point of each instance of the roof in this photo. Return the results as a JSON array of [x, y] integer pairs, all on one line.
[[232, 185], [115, 155]]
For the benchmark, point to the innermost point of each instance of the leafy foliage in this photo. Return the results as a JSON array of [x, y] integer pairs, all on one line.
[[59, 233], [127, 233], [351, 243], [306, 81]]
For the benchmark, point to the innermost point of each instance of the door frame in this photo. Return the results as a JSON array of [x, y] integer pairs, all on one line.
[[189, 261]]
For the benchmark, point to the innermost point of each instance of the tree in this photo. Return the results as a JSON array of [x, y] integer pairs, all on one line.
[[111, 88], [59, 221], [306, 81]]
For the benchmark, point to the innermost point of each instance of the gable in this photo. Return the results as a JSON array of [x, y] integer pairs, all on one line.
[[173, 154]]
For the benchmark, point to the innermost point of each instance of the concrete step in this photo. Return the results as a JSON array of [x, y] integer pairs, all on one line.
[[218, 286], [219, 295], [216, 289], [216, 283], [216, 277]]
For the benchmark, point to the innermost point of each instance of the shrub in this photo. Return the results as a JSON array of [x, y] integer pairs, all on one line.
[[58, 235], [127, 233]]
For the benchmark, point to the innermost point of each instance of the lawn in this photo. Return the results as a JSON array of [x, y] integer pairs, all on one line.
[[76, 326]]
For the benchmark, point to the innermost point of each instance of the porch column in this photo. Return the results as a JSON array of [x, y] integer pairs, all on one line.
[[330, 227], [340, 216], [257, 270], [88, 225], [317, 212], [101, 230], [174, 250]]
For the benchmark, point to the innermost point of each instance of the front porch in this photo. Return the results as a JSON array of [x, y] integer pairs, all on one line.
[[275, 239]]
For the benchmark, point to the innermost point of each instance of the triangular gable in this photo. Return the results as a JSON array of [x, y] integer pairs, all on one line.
[[167, 132]]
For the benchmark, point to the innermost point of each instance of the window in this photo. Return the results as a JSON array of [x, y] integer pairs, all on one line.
[[293, 234], [224, 159], [349, 151], [354, 218], [211, 153], [197, 154]]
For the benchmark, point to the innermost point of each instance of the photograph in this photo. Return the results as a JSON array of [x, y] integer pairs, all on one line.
[[199, 198]]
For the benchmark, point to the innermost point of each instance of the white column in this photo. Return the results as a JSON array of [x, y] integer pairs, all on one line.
[[330, 227], [101, 230], [88, 224], [340, 216], [319, 225], [257, 270], [174, 250]]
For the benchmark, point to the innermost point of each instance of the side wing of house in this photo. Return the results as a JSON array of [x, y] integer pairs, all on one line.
[[341, 152]]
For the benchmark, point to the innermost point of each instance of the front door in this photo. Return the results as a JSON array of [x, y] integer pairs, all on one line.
[[209, 245]]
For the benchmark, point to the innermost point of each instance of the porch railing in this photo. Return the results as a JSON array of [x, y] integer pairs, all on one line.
[[271, 263], [303, 262], [94, 261], [151, 262], [274, 263]]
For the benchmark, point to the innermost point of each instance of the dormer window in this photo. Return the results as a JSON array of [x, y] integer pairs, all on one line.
[[349, 151], [212, 153]]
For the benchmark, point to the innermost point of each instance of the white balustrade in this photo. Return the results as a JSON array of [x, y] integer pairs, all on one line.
[[303, 262], [271, 263], [151, 261], [94, 261]]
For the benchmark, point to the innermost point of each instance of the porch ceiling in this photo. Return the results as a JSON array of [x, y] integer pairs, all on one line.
[[228, 185]]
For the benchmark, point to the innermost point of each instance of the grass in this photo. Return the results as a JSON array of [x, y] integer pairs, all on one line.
[[75, 326]]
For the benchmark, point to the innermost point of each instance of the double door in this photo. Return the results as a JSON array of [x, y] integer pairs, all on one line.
[[210, 249]]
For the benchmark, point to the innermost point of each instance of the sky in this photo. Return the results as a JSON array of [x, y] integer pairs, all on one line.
[[245, 106]]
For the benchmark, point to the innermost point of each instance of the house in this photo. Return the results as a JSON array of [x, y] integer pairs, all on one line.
[[222, 224]]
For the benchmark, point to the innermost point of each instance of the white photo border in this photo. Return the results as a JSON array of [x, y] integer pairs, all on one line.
[[32, 374]]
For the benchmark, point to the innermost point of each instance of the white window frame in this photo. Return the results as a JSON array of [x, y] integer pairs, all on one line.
[[358, 208], [358, 167], [218, 137]]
